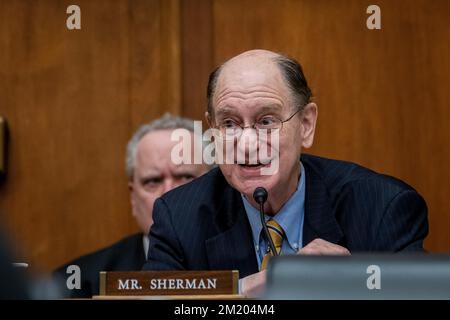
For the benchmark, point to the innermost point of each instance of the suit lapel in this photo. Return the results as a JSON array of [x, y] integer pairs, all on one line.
[[232, 248], [320, 220]]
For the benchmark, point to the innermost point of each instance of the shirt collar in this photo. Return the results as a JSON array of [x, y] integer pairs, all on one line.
[[289, 217]]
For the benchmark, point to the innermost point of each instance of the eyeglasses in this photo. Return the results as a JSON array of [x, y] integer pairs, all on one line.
[[232, 129]]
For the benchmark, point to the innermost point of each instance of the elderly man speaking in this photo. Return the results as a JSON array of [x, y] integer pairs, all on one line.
[[314, 205]]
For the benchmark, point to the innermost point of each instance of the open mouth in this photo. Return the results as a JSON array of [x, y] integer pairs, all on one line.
[[253, 166]]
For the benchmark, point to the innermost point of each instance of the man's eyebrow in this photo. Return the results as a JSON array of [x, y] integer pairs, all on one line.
[[150, 175], [184, 169], [184, 174], [226, 110], [271, 107]]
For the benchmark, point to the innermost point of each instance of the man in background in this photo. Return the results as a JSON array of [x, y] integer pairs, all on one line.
[[151, 173]]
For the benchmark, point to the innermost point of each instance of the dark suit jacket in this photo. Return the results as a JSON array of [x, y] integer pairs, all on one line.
[[126, 255], [203, 225]]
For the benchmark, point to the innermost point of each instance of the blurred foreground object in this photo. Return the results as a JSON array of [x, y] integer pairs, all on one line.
[[360, 277], [3, 143], [12, 280]]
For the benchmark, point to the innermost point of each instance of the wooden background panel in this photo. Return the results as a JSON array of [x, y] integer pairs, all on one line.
[[382, 94], [197, 56], [72, 100], [155, 58]]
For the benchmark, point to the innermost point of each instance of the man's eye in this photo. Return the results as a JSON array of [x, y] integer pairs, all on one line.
[[229, 124], [187, 177], [267, 121], [152, 182]]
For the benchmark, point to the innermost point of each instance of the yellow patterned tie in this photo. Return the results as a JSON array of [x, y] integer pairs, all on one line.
[[277, 234]]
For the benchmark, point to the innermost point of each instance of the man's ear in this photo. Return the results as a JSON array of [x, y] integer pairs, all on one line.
[[308, 121], [132, 200]]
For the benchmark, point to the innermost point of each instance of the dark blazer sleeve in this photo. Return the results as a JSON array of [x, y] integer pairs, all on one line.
[[165, 251], [404, 224], [124, 255]]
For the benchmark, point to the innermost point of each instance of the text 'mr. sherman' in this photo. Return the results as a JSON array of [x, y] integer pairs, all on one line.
[[168, 283]]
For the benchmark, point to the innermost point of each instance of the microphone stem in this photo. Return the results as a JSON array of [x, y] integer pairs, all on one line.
[[266, 231]]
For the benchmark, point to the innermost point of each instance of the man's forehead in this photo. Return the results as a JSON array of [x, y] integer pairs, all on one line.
[[159, 142], [155, 136], [249, 70], [250, 78], [250, 65], [154, 152], [154, 146]]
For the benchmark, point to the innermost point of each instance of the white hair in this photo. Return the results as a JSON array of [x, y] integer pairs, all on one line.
[[166, 122]]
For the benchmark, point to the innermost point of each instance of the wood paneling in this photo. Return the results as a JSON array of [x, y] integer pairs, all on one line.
[[197, 55], [72, 100], [155, 58]]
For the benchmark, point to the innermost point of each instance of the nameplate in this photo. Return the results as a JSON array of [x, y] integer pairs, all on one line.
[[159, 283]]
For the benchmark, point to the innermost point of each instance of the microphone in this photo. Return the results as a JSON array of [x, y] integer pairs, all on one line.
[[260, 196]]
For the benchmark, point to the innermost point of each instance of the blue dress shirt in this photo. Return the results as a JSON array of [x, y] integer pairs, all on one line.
[[290, 218]]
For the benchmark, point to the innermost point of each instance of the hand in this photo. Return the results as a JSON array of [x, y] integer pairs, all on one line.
[[253, 286], [321, 247]]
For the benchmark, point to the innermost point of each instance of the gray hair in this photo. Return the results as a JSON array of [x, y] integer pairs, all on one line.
[[166, 122]]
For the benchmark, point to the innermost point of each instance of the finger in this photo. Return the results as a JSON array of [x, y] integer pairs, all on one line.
[[331, 246], [322, 247]]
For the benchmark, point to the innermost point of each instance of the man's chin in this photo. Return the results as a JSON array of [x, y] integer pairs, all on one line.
[[248, 185]]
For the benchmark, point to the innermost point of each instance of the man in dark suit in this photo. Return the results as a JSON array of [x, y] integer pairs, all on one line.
[[151, 173], [314, 206]]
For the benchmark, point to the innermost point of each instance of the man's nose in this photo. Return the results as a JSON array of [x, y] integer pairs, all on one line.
[[169, 184], [248, 135], [248, 141]]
